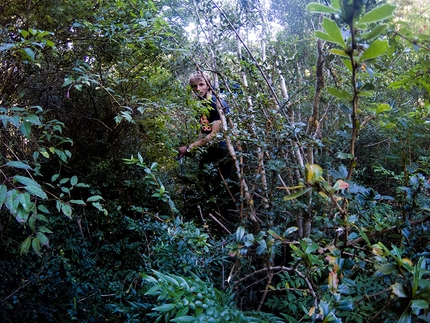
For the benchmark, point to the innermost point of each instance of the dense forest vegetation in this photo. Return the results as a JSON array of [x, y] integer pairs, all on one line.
[[328, 129]]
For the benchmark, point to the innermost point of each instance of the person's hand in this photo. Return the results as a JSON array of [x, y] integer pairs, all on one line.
[[182, 151]]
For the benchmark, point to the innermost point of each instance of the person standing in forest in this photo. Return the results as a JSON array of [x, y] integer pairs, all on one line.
[[216, 152]]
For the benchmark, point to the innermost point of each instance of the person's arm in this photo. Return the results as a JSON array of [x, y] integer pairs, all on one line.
[[203, 140]]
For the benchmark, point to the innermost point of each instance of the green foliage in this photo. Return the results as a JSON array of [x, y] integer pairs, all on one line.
[[336, 170], [182, 299]]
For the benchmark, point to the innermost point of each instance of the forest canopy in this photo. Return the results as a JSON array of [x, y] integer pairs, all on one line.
[[324, 118]]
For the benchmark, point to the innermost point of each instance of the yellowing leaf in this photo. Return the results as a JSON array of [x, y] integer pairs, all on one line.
[[296, 195]]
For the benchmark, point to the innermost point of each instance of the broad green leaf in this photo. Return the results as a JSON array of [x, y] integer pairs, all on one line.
[[148, 278], [365, 93], [35, 244], [3, 193], [5, 120], [42, 208], [24, 33], [44, 152], [18, 164], [332, 29], [375, 49], [182, 319], [290, 230], [345, 305], [67, 210], [315, 7], [382, 12], [374, 32], [240, 232], [311, 247], [344, 156], [100, 207], [313, 173], [32, 221], [28, 53], [36, 190], [94, 198], [24, 200], [25, 246], [25, 180], [164, 308], [33, 119], [348, 64], [25, 129], [296, 195], [50, 43], [74, 180], [417, 305], [43, 239], [339, 52], [78, 202], [321, 35], [44, 229], [400, 290], [167, 278], [11, 200], [387, 268], [383, 107], [340, 94], [397, 84]]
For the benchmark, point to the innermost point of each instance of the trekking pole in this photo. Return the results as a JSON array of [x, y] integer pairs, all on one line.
[[181, 168]]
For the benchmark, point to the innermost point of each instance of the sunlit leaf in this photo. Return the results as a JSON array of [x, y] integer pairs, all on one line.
[[315, 7], [375, 49], [379, 13], [323, 36], [332, 29], [374, 32], [339, 52], [383, 107]]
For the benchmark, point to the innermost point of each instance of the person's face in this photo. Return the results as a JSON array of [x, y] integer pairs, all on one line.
[[200, 87]]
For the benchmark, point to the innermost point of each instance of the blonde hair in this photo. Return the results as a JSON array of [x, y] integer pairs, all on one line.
[[200, 76]]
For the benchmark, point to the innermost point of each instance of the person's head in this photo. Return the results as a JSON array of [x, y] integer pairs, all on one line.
[[200, 84]]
